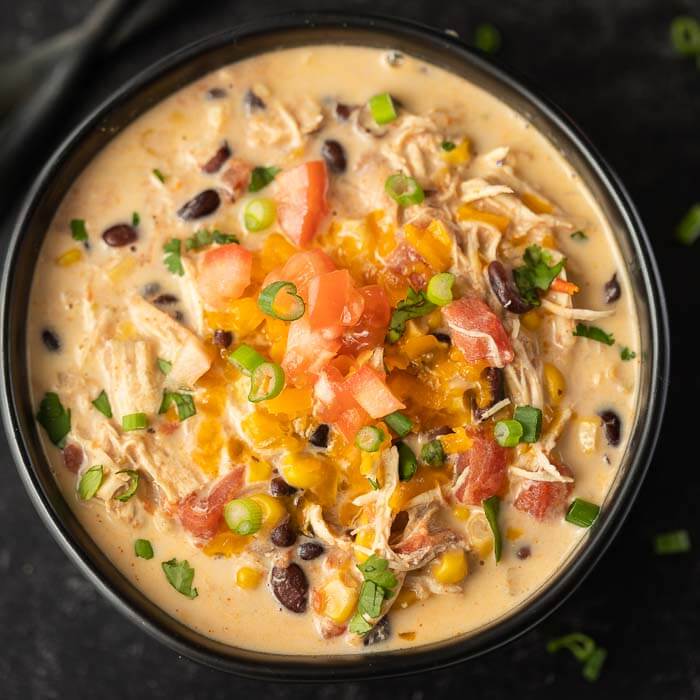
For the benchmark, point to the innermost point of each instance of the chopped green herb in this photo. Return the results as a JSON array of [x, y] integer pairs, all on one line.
[[373, 483], [594, 664], [134, 421], [173, 259], [414, 305], [259, 214], [183, 402], [205, 237], [594, 333], [448, 146], [688, 231], [677, 542], [399, 423], [90, 481], [508, 432], [243, 516], [78, 230], [530, 418], [685, 35], [582, 513], [369, 438], [164, 366], [408, 464], [626, 354], [580, 645], [433, 453], [135, 219], [358, 625], [143, 549], [158, 175], [101, 403], [487, 38], [246, 358], [180, 576], [491, 508], [579, 236], [378, 585], [370, 600], [439, 290], [261, 177], [376, 569], [382, 108], [536, 274], [131, 485], [54, 418]]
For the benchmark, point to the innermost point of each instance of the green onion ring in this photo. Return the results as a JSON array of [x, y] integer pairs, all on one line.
[[246, 358], [243, 516], [439, 291], [266, 382], [369, 438], [266, 301], [404, 190]]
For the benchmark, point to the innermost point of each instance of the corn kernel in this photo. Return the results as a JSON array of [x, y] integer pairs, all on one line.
[[536, 203], [456, 442], [123, 268], [513, 533], [273, 509], [554, 383], [248, 578], [450, 567], [70, 257], [461, 512], [338, 600], [468, 213], [258, 470], [459, 155], [531, 320], [588, 434], [313, 473]]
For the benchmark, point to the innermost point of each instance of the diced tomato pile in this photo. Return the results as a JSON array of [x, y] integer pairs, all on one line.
[[545, 499], [486, 468], [225, 273]]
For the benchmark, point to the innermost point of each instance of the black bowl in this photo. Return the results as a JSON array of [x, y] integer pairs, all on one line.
[[160, 81]]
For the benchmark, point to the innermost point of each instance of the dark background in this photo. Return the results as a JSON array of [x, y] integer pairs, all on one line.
[[609, 64]]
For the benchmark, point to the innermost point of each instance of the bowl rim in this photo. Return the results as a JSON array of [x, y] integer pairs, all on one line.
[[261, 665]]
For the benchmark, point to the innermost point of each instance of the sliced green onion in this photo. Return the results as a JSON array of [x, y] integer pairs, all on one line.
[[433, 453], [685, 35], [261, 177], [530, 418], [54, 418], [688, 230], [382, 108], [183, 402], [399, 423], [491, 507], [369, 438], [78, 230], [131, 486], [143, 549], [289, 307], [135, 421], [243, 516], [158, 175], [439, 291], [90, 482], [407, 462], [508, 432], [246, 358], [180, 576], [448, 146], [135, 219], [404, 189], [593, 666], [594, 333], [266, 382], [582, 513], [101, 403], [626, 354], [580, 645], [487, 38], [259, 214], [164, 366], [676, 542]]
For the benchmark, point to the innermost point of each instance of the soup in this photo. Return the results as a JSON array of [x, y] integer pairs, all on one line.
[[333, 351]]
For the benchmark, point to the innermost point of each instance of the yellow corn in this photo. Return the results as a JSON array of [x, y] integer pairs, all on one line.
[[459, 155], [273, 509], [588, 434], [554, 383], [536, 203], [119, 271], [450, 567], [258, 470], [468, 213], [461, 512], [513, 533], [338, 600], [316, 474], [70, 257], [266, 431], [248, 578], [531, 320], [455, 442], [126, 330]]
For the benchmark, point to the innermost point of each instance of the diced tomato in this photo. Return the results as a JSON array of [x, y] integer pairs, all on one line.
[[485, 464], [370, 391], [334, 302], [308, 352], [350, 421], [336, 404], [201, 515], [406, 264], [370, 330], [301, 268], [301, 200], [545, 499], [225, 273], [478, 332]]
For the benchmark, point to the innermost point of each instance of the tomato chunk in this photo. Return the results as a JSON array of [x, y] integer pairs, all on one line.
[[225, 273], [370, 391], [201, 515], [481, 470], [350, 421], [300, 269], [301, 200], [545, 499], [334, 302], [478, 332], [370, 329], [337, 405], [308, 352]]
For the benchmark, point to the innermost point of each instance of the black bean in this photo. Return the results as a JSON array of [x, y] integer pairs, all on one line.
[[334, 155], [290, 587], [223, 338], [51, 340], [612, 426], [524, 552], [279, 487], [253, 102], [379, 633], [612, 290], [151, 289], [310, 550], [205, 203], [216, 93], [343, 111], [505, 290], [442, 337], [120, 235], [284, 534], [319, 438], [214, 164], [494, 378], [165, 300]]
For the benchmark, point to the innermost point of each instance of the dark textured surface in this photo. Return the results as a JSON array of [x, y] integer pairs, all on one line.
[[609, 65]]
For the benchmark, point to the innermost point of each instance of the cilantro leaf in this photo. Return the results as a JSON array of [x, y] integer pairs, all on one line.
[[358, 625], [376, 570], [78, 230], [205, 237], [261, 177], [414, 305], [536, 274], [54, 418], [370, 600], [626, 354], [594, 333], [172, 258], [180, 576], [143, 549]]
